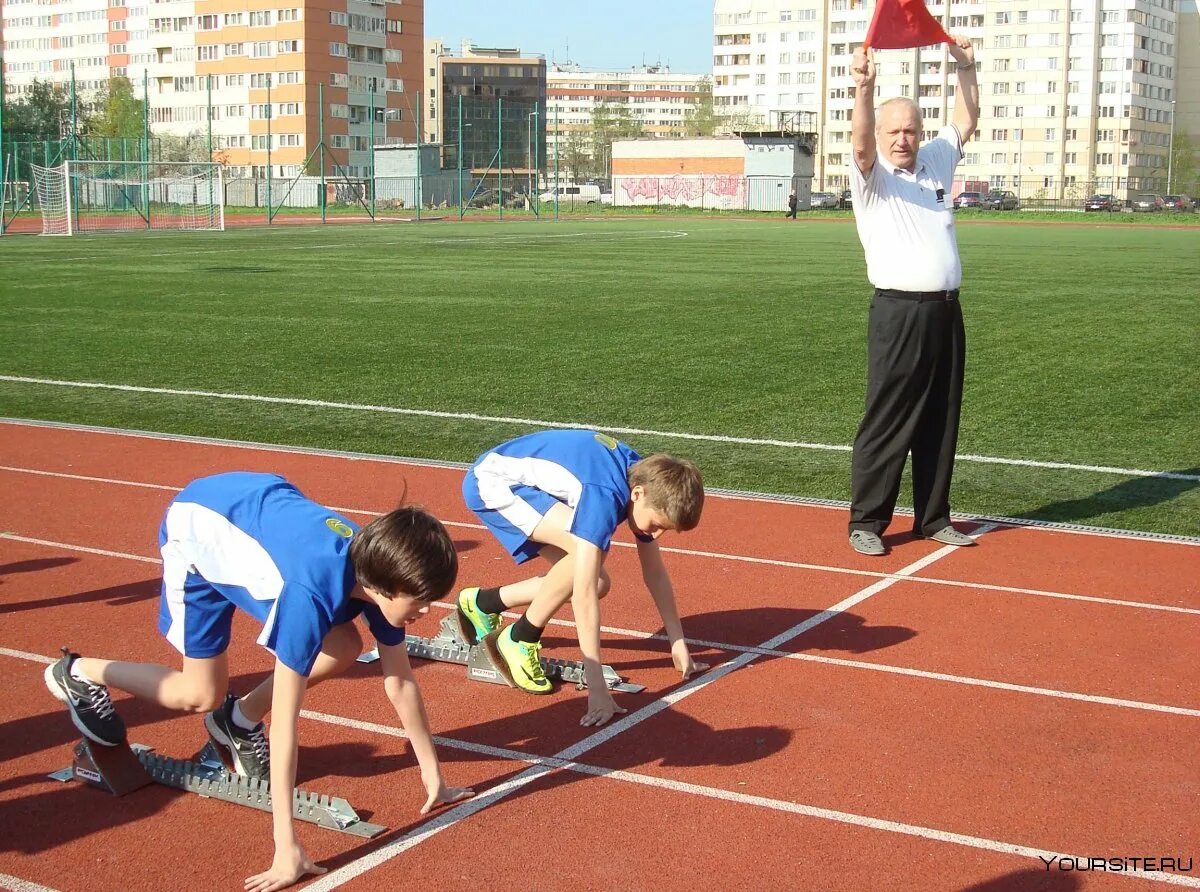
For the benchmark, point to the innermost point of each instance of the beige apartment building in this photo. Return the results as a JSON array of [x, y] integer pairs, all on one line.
[[1074, 94], [657, 99], [355, 50]]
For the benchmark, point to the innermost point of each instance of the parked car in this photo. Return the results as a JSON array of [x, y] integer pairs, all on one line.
[[968, 200], [823, 201], [1001, 200], [1177, 203], [847, 200], [1101, 202], [1146, 202]]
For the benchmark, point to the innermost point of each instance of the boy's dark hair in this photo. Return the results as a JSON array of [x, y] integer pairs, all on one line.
[[406, 551], [673, 485]]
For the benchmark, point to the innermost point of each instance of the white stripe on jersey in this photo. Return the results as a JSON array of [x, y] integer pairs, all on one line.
[[497, 474], [221, 552]]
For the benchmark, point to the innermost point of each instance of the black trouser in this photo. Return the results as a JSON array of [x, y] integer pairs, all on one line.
[[916, 354]]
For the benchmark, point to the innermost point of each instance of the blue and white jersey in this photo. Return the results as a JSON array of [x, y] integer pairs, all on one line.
[[271, 552], [585, 470]]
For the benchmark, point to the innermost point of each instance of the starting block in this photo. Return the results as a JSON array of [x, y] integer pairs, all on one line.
[[122, 769], [450, 645]]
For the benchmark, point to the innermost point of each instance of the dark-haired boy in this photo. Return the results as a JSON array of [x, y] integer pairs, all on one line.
[[254, 542]]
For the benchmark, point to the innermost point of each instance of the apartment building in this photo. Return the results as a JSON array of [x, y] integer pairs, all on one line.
[[267, 59], [1074, 94], [654, 97]]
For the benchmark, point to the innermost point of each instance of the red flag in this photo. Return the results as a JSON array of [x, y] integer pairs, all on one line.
[[901, 24]]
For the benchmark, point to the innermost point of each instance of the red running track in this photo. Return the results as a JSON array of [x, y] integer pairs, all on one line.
[[937, 729]]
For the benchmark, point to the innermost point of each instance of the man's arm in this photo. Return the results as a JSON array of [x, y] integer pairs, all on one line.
[[658, 583], [966, 101], [862, 119], [405, 695]]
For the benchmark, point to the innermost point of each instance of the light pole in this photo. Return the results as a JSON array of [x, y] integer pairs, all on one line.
[[1171, 148]]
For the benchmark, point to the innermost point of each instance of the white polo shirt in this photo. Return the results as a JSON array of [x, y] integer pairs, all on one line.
[[905, 221]]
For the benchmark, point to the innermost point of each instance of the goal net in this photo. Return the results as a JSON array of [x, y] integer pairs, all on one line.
[[124, 196]]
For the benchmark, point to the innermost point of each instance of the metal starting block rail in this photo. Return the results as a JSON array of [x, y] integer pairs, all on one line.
[[123, 769], [450, 646]]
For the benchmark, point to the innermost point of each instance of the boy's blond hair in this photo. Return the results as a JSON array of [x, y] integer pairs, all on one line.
[[673, 486]]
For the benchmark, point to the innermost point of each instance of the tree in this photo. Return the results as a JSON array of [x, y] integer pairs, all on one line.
[[120, 113], [44, 113], [1184, 175], [573, 154], [702, 119], [609, 122]]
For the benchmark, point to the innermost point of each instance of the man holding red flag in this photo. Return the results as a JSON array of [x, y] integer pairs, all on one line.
[[916, 344]]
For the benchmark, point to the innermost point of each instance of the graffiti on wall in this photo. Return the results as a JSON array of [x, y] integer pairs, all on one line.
[[715, 191]]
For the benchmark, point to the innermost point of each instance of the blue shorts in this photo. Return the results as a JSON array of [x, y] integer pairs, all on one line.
[[195, 615], [512, 518]]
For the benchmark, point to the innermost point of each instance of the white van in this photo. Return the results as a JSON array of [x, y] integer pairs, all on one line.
[[585, 194]]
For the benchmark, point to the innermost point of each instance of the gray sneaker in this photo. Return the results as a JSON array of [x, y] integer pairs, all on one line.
[[951, 536], [866, 542]]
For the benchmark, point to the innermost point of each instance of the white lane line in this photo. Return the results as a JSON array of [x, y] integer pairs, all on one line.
[[715, 555], [1024, 523], [460, 812], [16, 884], [757, 651], [544, 764], [544, 423]]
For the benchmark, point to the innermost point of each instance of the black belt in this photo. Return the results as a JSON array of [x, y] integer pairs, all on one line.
[[918, 296]]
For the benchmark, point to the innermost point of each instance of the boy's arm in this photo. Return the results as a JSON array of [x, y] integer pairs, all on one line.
[[291, 862], [585, 603], [658, 582], [402, 690]]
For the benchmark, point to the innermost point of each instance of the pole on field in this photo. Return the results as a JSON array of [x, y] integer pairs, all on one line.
[[321, 145]]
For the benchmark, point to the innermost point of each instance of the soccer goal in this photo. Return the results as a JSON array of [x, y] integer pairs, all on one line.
[[127, 196]]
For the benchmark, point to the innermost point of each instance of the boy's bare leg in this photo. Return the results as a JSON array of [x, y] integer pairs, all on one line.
[[339, 651], [199, 687]]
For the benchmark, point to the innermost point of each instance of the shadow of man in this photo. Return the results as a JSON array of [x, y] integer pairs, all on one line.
[[1137, 492]]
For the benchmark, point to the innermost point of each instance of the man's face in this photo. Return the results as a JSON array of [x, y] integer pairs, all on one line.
[[898, 135]]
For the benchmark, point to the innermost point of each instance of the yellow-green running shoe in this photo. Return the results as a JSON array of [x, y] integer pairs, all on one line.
[[474, 619], [522, 662]]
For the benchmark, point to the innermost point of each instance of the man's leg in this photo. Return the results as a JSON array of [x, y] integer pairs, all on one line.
[[936, 437], [882, 443]]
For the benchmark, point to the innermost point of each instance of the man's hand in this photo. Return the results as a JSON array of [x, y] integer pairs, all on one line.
[[683, 661], [289, 865], [601, 708], [862, 68], [441, 794], [961, 49]]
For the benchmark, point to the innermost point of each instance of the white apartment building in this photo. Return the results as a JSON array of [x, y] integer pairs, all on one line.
[[655, 98], [270, 62], [1074, 94]]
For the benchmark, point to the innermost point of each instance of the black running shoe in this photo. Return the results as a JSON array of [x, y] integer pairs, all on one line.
[[247, 750], [90, 705]]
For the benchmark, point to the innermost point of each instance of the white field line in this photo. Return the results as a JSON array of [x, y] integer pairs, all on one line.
[[729, 495], [416, 242], [691, 552], [545, 423], [16, 884]]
